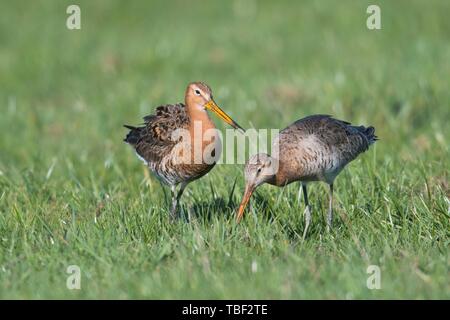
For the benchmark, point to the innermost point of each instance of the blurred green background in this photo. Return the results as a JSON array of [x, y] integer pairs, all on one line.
[[72, 193]]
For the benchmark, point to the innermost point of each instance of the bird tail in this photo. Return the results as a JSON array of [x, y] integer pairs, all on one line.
[[369, 132], [133, 135]]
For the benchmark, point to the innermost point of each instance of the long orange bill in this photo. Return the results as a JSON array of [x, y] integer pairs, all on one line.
[[247, 194], [211, 105]]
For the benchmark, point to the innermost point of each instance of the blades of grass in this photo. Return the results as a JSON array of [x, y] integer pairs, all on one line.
[[230, 197]]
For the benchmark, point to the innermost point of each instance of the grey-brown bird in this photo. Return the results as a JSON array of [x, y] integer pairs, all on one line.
[[179, 143], [315, 148]]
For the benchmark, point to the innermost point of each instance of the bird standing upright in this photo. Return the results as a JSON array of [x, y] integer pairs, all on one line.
[[315, 148], [179, 143]]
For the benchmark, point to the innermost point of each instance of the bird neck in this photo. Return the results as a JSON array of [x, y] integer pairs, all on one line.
[[281, 177], [202, 139], [199, 118]]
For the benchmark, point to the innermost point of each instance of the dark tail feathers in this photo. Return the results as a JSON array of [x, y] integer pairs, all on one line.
[[369, 132], [133, 135]]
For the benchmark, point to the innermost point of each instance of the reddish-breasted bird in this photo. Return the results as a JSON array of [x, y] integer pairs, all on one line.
[[172, 141]]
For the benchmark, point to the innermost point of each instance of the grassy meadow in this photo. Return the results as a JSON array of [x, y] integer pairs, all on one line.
[[72, 193]]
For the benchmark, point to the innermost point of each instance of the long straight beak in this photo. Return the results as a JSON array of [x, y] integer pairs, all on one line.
[[211, 105], [247, 194]]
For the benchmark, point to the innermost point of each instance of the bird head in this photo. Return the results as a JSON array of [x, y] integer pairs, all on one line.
[[259, 169], [199, 95]]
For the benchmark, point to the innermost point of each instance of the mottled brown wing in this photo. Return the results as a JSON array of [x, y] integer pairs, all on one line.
[[336, 136], [155, 138]]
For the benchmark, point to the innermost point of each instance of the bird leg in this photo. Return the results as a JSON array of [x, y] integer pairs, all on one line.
[[173, 210], [176, 198], [307, 211], [330, 209]]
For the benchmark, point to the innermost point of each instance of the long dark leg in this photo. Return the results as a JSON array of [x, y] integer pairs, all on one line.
[[176, 198], [180, 192], [330, 209], [307, 211]]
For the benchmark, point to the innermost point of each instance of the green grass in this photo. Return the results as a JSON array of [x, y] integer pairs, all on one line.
[[71, 193]]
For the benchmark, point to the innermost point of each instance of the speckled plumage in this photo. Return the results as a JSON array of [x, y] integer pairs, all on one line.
[[155, 145], [315, 148], [318, 147], [175, 142]]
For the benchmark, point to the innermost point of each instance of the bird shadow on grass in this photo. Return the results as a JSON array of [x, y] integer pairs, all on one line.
[[206, 210]]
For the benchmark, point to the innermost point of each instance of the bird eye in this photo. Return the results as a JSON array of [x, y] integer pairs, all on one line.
[[197, 92], [259, 170]]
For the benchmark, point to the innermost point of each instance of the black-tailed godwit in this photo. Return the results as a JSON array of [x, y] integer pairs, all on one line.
[[161, 145], [315, 148]]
